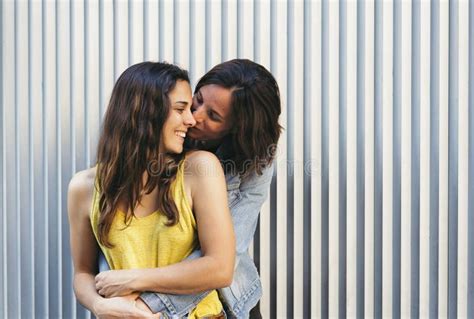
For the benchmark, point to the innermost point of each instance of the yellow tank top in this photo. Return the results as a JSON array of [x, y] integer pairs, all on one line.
[[148, 243]]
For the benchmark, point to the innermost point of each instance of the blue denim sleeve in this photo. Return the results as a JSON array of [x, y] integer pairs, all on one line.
[[253, 193], [245, 203]]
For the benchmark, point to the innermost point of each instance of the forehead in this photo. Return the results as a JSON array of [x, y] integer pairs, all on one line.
[[217, 97], [181, 92]]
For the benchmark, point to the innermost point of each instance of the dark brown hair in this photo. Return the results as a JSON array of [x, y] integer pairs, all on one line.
[[256, 107], [129, 143]]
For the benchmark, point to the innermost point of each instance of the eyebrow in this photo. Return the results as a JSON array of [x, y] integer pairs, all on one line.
[[182, 102]]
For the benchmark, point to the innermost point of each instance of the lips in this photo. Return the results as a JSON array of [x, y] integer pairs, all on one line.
[[180, 134]]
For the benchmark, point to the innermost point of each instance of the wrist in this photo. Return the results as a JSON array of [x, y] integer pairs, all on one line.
[[136, 282], [97, 306]]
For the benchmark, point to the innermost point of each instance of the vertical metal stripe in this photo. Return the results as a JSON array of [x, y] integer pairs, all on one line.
[[139, 45], [369, 177], [257, 31], [62, 95], [59, 191], [463, 156], [225, 30], [470, 248], [198, 37], [208, 31], [161, 33], [333, 159], [166, 30], [434, 159], [316, 139], [9, 118], [71, 301], [28, 217], [3, 188], [425, 177], [102, 92], [192, 42], [16, 290], [68, 298], [115, 35], [47, 69], [149, 37], [86, 86], [378, 161], [443, 156], [415, 163], [361, 98], [342, 159], [107, 53], [181, 25], [325, 162], [122, 37], [397, 157], [403, 266], [308, 109], [239, 24], [177, 34], [351, 159], [146, 31], [290, 212], [297, 43], [213, 33], [387, 157], [453, 159], [131, 36]]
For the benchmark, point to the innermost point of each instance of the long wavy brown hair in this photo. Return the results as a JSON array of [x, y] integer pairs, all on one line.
[[129, 142], [256, 107]]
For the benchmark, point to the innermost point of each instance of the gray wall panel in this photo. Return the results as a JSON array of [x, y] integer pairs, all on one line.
[[370, 210]]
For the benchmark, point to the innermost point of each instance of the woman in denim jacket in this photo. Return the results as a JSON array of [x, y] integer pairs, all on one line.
[[236, 106]]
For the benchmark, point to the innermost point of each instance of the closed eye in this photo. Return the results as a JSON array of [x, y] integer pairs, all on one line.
[[213, 116]]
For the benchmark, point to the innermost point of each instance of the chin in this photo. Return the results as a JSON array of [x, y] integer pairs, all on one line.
[[178, 150]]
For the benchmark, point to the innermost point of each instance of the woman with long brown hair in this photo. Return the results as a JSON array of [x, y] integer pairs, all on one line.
[[147, 205], [236, 106]]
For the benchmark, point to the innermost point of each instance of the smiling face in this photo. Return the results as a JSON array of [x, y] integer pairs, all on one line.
[[212, 111], [179, 118]]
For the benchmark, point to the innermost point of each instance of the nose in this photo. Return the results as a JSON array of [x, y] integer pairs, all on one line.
[[189, 119], [198, 113]]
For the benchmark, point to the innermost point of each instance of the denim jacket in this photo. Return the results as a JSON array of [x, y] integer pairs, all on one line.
[[245, 198]]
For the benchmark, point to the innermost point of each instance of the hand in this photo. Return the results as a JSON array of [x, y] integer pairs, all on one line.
[[122, 307], [114, 283]]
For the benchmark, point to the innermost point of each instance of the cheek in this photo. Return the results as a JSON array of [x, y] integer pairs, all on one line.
[[220, 130]]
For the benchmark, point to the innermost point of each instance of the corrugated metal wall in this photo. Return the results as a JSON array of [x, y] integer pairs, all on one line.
[[372, 207]]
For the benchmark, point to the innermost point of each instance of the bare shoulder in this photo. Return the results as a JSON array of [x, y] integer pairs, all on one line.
[[81, 189], [199, 163]]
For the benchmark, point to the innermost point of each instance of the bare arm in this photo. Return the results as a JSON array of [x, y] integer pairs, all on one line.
[[205, 183], [83, 245], [84, 254]]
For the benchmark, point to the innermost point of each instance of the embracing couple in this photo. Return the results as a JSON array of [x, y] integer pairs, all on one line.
[[173, 201]]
